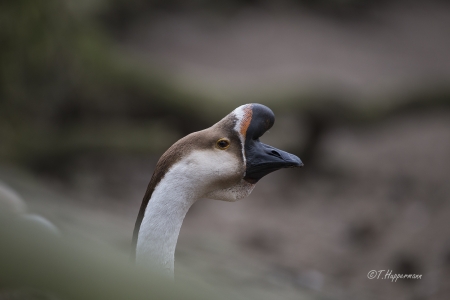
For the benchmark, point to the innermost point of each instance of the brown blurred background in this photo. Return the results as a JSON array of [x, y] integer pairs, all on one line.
[[93, 92]]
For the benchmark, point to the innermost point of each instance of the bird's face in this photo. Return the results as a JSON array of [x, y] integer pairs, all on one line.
[[225, 161], [235, 159]]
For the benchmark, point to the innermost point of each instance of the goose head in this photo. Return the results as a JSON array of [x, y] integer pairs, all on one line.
[[252, 159], [226, 160], [223, 162]]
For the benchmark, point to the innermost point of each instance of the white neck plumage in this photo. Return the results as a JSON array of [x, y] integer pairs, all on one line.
[[195, 176], [222, 162], [162, 221]]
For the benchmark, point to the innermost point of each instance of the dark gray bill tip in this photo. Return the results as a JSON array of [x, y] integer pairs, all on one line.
[[292, 161]]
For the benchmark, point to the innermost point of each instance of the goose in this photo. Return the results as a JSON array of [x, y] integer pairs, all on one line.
[[223, 162]]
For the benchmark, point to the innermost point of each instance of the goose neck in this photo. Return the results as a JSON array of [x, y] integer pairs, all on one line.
[[162, 221]]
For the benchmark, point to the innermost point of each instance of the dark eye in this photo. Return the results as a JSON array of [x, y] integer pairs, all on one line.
[[223, 143]]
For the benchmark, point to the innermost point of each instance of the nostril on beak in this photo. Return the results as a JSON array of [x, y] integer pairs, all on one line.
[[275, 153]]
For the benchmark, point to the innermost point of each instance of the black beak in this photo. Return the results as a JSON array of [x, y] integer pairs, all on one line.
[[263, 159]]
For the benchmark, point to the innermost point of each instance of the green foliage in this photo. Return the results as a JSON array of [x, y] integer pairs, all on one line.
[[69, 268], [60, 80]]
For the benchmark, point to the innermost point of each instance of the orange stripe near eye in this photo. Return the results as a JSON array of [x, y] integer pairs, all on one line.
[[246, 119]]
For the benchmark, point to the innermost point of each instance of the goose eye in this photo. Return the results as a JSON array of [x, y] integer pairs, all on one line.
[[223, 144]]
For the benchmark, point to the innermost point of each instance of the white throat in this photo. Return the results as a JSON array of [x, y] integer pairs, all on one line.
[[188, 180]]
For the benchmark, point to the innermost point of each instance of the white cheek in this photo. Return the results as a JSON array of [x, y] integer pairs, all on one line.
[[226, 164], [213, 169]]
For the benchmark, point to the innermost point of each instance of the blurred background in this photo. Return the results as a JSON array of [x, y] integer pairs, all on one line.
[[92, 92]]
